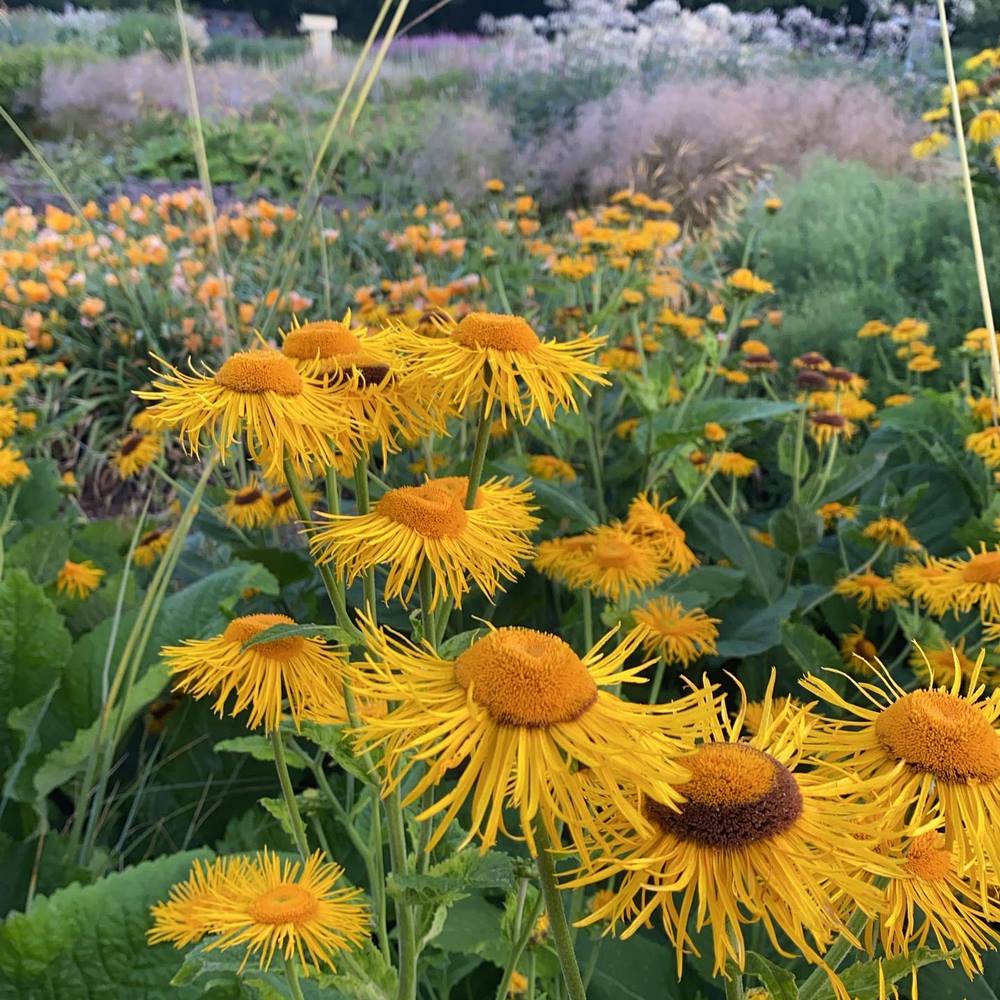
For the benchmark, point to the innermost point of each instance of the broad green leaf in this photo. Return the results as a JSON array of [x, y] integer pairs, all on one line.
[[90, 941], [455, 878], [862, 979], [795, 529], [730, 412], [563, 502], [41, 552], [457, 644], [855, 473], [779, 982], [333, 740], [332, 633], [762, 565], [473, 927], [639, 968], [719, 582], [810, 650], [38, 498], [259, 747], [750, 629]]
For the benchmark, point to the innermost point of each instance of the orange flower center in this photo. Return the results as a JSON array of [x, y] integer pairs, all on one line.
[[259, 371], [326, 339], [497, 331], [526, 678], [613, 554], [941, 734], [928, 859], [737, 795], [435, 509], [983, 568], [287, 903], [241, 630]]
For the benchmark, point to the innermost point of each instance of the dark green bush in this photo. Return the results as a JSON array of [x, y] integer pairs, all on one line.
[[851, 245], [254, 50], [139, 31]]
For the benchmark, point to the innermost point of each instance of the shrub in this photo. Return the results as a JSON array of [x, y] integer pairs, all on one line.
[[254, 50], [22, 67], [137, 31]]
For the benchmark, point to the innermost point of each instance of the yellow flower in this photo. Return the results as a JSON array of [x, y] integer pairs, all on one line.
[[916, 752], [936, 665], [935, 115], [624, 429], [985, 127], [857, 651], [744, 280], [826, 427], [258, 396], [773, 205], [304, 671], [429, 525], [834, 512], [283, 509], [518, 984], [264, 905], [675, 633], [550, 467], [500, 360], [713, 432], [574, 268], [898, 399], [927, 582], [758, 839], [78, 579], [965, 89], [755, 713], [985, 444], [923, 363], [717, 314], [494, 184], [151, 545], [12, 466], [891, 531], [873, 328], [516, 716], [615, 563], [963, 584], [869, 589], [248, 507], [135, 453], [732, 463], [928, 146], [649, 521]]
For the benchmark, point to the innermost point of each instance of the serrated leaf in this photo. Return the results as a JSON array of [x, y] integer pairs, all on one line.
[[90, 941], [454, 878], [862, 979], [41, 552], [779, 982], [795, 529], [332, 633], [259, 747]]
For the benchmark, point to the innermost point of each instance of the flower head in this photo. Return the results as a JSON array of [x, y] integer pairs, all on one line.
[[551, 468], [649, 520], [249, 506], [675, 633], [78, 579], [136, 452], [12, 466], [869, 589]]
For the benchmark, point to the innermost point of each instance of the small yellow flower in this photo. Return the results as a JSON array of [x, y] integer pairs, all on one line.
[[551, 468], [495, 185], [870, 590], [675, 633], [891, 531], [78, 579], [713, 432], [744, 280]]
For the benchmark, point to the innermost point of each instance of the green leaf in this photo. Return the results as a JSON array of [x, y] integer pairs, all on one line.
[[795, 529], [747, 629], [862, 979], [455, 878], [457, 644], [730, 412], [369, 976], [473, 927], [332, 633], [41, 552], [786, 453], [855, 473], [719, 582], [762, 565], [39, 496], [90, 941], [779, 982], [810, 650], [259, 747], [334, 741]]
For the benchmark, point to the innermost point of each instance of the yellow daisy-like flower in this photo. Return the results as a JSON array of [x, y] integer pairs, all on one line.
[[8, 420], [615, 564], [936, 665], [931, 898], [732, 463], [756, 840], [556, 556], [650, 521], [856, 649], [675, 633], [892, 531], [516, 714], [266, 905], [898, 399], [12, 466], [869, 590], [826, 427], [923, 363], [151, 546], [414, 526], [305, 672], [919, 751], [135, 453], [834, 512], [909, 329], [984, 127], [551, 468], [756, 712], [927, 582], [873, 328], [713, 432], [929, 145], [963, 584], [248, 507], [283, 510], [78, 579], [380, 396], [501, 360], [256, 396], [744, 280], [986, 445]]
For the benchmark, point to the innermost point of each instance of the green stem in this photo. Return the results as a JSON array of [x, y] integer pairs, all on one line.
[[557, 917], [595, 468], [654, 692], [364, 506], [834, 957], [426, 596], [284, 779], [479, 453], [522, 935], [588, 619], [734, 983], [292, 975], [800, 434], [405, 926]]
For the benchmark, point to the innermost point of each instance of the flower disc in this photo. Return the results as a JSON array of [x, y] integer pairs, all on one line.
[[526, 678], [928, 859], [737, 795], [240, 630], [259, 371], [286, 903], [432, 510], [941, 734], [496, 331], [984, 567], [325, 339]]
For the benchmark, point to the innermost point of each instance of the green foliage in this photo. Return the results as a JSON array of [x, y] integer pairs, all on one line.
[[21, 69], [267, 51], [141, 30]]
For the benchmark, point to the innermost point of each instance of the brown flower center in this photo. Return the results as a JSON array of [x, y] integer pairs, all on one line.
[[497, 331], [737, 796], [287, 903], [435, 509], [247, 496], [240, 630], [259, 371], [130, 443], [941, 734], [526, 678]]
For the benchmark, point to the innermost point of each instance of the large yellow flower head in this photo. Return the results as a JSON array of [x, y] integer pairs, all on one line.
[[675, 633], [756, 840], [249, 506], [265, 905], [517, 713], [917, 751], [986, 445], [650, 521], [256, 396], [379, 393], [501, 358], [615, 564], [892, 531], [414, 526], [959, 585], [932, 898], [306, 672], [135, 453]]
